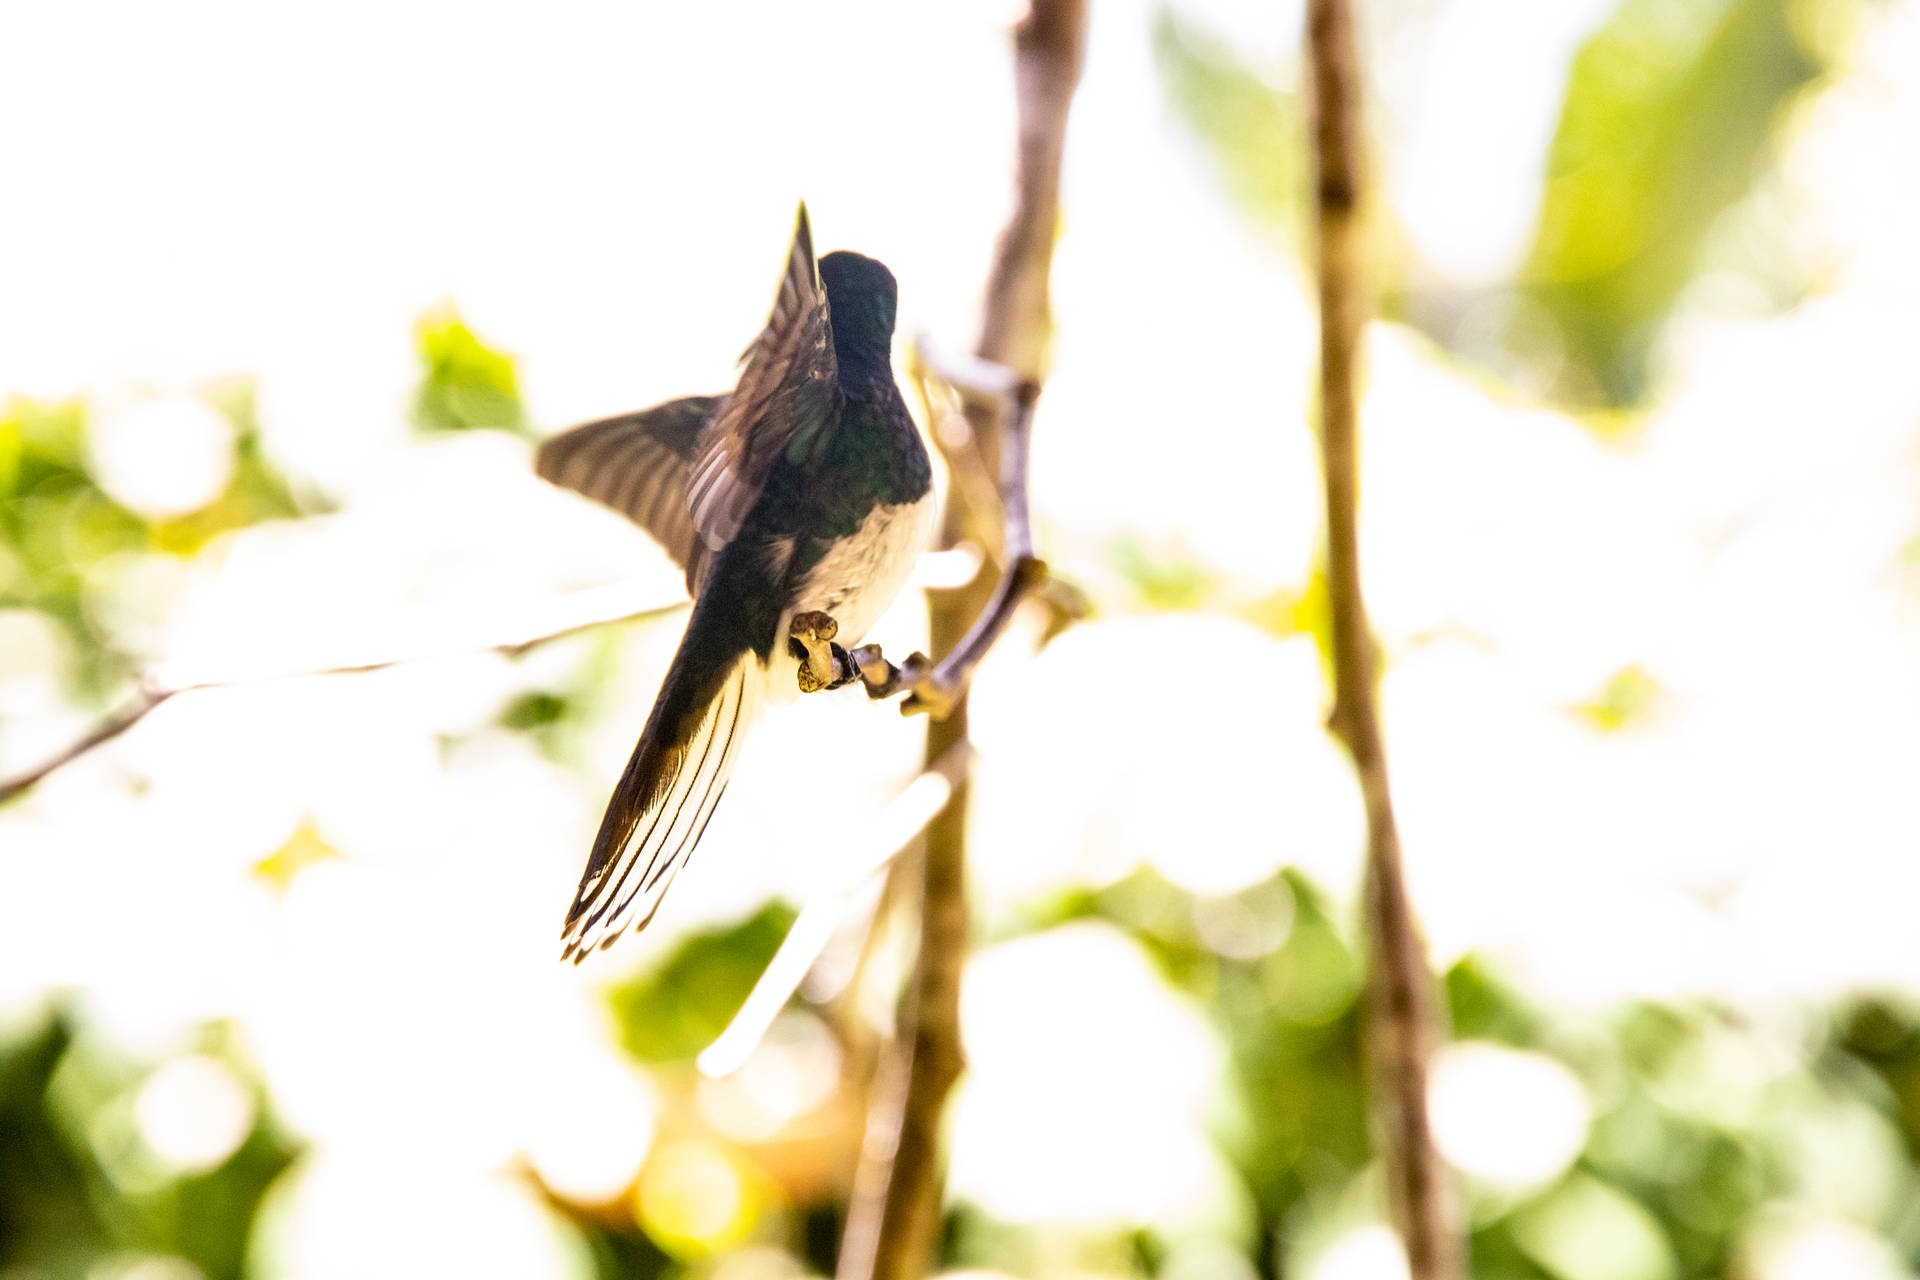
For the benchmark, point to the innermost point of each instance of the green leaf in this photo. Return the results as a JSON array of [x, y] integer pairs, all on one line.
[[1164, 582], [1588, 1230], [1297, 1118], [1248, 122], [535, 710], [57, 525], [1669, 117], [1629, 696], [674, 1011], [466, 383], [1482, 1007]]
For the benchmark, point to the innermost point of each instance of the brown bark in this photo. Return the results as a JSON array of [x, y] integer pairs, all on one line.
[[1399, 1018], [894, 1218]]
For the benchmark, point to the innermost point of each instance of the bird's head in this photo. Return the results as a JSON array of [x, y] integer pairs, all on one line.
[[861, 300]]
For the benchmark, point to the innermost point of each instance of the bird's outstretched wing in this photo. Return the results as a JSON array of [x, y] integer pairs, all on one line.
[[788, 393], [637, 463]]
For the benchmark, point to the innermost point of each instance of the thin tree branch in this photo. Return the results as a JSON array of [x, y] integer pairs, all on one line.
[[885, 838], [946, 417], [580, 611], [933, 688], [1399, 1019], [893, 1220], [130, 713], [937, 692]]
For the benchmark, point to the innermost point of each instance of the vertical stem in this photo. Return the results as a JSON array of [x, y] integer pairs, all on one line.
[[894, 1216], [893, 1221], [1399, 1020]]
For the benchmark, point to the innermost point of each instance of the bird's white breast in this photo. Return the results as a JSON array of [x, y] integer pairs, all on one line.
[[860, 575], [857, 580]]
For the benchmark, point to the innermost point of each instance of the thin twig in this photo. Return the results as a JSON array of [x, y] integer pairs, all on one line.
[[933, 688], [936, 693], [894, 1216], [132, 712], [967, 471], [579, 612], [1399, 1025]]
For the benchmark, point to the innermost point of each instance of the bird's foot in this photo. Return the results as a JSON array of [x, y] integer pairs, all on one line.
[[823, 664], [810, 640], [882, 678]]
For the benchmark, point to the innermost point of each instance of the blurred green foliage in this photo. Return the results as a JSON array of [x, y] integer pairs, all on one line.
[[1250, 124], [1677, 1163], [1161, 582], [677, 1009], [1629, 696], [1670, 113], [1669, 117], [554, 715], [78, 1187], [58, 527], [465, 384]]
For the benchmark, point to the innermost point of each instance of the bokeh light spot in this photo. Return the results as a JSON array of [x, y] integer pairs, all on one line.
[[1371, 1253], [694, 1199], [1510, 1118], [591, 1131], [163, 458], [193, 1113]]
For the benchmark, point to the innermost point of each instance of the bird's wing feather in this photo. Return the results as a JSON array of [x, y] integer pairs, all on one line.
[[787, 394], [637, 463], [659, 810]]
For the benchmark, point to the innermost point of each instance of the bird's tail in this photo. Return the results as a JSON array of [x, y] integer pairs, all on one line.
[[672, 782]]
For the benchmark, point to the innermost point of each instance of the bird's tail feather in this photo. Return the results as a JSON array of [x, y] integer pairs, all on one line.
[[667, 794]]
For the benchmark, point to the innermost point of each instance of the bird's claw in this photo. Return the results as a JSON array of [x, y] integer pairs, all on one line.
[[882, 678], [823, 664], [813, 624]]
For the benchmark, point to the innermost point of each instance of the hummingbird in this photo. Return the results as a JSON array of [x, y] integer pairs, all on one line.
[[806, 488]]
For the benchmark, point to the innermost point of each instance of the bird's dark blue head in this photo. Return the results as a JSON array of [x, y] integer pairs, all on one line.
[[861, 299]]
